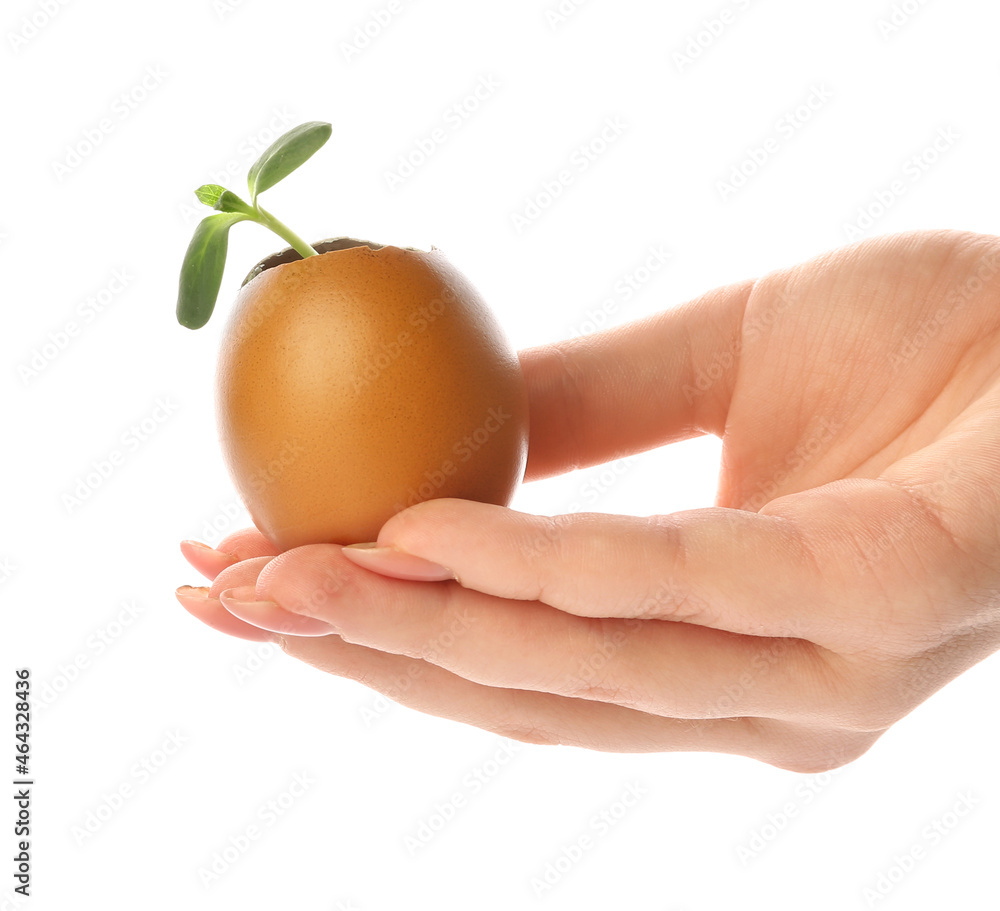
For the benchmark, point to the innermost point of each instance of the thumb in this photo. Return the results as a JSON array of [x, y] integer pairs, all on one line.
[[641, 385]]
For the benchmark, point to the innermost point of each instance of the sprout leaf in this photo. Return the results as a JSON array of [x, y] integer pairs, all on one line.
[[285, 154], [201, 271]]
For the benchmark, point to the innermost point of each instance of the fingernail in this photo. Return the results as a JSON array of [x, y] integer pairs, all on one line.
[[203, 557], [390, 561], [192, 592], [242, 602]]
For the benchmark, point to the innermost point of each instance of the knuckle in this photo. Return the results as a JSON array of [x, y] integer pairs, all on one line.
[[604, 668], [669, 593], [547, 543], [603, 690]]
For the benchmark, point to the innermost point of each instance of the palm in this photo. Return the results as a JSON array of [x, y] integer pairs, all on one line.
[[851, 363]]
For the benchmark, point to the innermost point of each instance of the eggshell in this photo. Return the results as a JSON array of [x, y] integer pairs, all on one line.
[[360, 381]]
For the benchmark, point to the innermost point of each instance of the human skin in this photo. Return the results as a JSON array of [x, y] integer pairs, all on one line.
[[849, 568]]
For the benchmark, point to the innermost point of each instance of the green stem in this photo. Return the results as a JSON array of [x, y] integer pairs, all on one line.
[[284, 232]]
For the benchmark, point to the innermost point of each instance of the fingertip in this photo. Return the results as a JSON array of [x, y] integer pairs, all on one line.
[[196, 601], [445, 519], [207, 560], [437, 540], [242, 603], [304, 579], [248, 543]]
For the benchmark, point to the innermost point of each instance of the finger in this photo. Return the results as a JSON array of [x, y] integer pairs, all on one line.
[[543, 718], [728, 569], [266, 615], [837, 565], [672, 669], [207, 560], [210, 611], [241, 545], [638, 386]]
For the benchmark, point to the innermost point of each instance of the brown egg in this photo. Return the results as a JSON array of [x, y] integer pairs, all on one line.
[[361, 381]]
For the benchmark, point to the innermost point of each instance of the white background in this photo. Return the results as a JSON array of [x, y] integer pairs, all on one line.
[[218, 78]]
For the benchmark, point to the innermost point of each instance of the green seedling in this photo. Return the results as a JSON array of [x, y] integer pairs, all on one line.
[[205, 260]]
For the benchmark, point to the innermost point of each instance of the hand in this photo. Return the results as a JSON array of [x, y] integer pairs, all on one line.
[[849, 569]]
